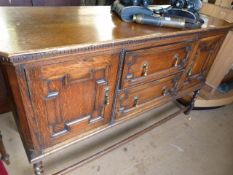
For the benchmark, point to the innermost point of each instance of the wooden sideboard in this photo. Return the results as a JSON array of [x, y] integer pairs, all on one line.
[[74, 71]]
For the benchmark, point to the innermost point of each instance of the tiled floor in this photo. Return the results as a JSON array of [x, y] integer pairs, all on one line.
[[201, 144]]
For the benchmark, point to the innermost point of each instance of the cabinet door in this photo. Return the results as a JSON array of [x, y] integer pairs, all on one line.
[[205, 55], [72, 98]]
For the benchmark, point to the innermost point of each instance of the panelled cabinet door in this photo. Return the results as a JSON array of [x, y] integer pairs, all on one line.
[[72, 98], [205, 54], [143, 65]]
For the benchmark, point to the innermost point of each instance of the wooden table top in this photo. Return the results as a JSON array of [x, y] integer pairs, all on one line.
[[35, 29]]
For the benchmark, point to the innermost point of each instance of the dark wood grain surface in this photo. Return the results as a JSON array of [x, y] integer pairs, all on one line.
[[25, 29]]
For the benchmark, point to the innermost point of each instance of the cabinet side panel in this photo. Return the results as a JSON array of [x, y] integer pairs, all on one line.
[[16, 84]]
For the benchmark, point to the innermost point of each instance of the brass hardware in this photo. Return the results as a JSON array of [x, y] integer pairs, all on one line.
[[177, 60], [52, 95], [129, 76], [165, 92], [135, 104], [106, 95], [189, 72], [145, 69]]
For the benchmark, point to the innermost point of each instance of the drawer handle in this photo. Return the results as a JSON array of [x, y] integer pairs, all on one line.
[[177, 60], [145, 69], [190, 72], [165, 92], [135, 101], [106, 95]]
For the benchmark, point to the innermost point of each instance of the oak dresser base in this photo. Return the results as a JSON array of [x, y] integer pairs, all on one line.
[[74, 72]]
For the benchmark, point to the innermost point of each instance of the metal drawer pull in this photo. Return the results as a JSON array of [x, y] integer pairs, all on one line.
[[189, 72], [129, 76], [106, 95], [177, 60], [165, 92], [145, 69], [135, 103]]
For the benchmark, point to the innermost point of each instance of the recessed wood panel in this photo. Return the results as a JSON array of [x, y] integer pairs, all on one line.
[[207, 49], [205, 53]]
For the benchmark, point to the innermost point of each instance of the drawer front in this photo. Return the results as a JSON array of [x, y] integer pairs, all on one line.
[[72, 98], [133, 98], [154, 63]]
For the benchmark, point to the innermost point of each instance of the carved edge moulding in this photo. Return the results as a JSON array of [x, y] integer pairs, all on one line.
[[30, 55]]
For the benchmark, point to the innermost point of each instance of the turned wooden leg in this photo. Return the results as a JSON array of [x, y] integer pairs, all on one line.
[[38, 168], [191, 105], [4, 155]]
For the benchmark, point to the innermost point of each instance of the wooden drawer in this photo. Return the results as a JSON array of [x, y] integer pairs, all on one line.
[[153, 63], [73, 97], [133, 98]]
